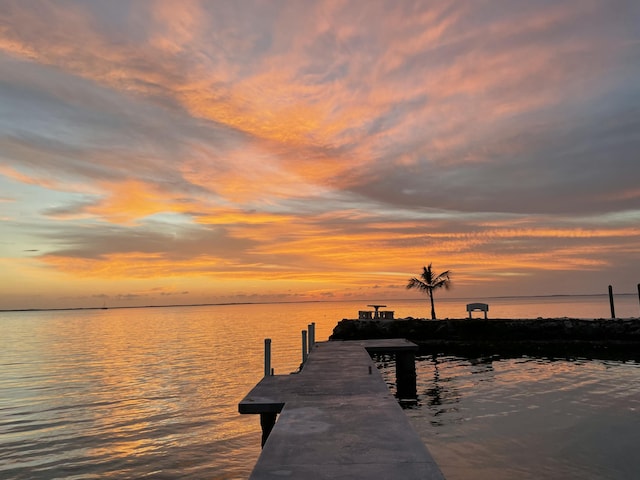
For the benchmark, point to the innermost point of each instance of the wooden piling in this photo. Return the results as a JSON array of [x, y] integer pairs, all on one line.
[[267, 357], [406, 376], [304, 346], [312, 335]]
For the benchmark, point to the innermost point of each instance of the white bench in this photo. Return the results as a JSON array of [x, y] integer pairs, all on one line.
[[478, 307]]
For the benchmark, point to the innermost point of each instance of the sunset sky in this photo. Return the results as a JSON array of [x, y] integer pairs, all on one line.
[[170, 152]]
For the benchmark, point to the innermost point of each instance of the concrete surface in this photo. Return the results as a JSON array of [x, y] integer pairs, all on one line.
[[338, 420]]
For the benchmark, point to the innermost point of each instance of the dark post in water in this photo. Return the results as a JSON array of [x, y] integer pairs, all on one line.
[[406, 376], [613, 310], [267, 422]]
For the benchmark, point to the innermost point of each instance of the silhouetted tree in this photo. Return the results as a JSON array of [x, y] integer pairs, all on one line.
[[428, 282]]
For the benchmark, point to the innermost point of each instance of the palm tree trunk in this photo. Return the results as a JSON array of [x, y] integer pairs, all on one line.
[[433, 309]]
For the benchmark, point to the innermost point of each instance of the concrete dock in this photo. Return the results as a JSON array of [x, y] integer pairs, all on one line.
[[337, 419]]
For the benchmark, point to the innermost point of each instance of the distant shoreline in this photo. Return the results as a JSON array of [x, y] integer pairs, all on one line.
[[177, 305], [285, 302]]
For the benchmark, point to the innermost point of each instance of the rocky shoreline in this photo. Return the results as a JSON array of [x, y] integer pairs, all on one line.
[[549, 337]]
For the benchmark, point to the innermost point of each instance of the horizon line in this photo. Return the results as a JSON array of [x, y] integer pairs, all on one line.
[[277, 302]]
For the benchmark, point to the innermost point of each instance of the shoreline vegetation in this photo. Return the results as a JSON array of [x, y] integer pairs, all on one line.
[[605, 338], [214, 304]]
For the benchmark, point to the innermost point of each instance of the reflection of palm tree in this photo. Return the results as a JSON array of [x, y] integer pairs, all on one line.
[[428, 282], [434, 392], [443, 395]]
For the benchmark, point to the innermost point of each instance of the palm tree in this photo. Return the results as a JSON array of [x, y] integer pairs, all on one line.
[[428, 282]]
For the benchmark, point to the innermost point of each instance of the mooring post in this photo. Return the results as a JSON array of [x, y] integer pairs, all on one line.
[[639, 293], [312, 335], [613, 309], [406, 375], [304, 346], [267, 357]]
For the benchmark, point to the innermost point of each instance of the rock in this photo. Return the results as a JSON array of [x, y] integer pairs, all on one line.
[[610, 338]]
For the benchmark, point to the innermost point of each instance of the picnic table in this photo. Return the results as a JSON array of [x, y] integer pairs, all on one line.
[[376, 313]]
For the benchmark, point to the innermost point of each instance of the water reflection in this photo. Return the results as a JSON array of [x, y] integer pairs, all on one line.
[[111, 393], [135, 393], [154, 392], [441, 395], [495, 418]]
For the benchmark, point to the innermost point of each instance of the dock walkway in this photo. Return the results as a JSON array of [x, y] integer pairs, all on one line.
[[338, 419]]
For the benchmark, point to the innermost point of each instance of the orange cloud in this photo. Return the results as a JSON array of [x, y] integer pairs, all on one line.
[[236, 217], [132, 200], [39, 181], [136, 265]]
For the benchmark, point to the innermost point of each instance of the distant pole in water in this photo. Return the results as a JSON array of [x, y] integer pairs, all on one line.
[[639, 293], [613, 309], [267, 357]]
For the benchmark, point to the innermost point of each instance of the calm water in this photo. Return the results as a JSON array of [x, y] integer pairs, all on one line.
[[529, 418], [135, 393]]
